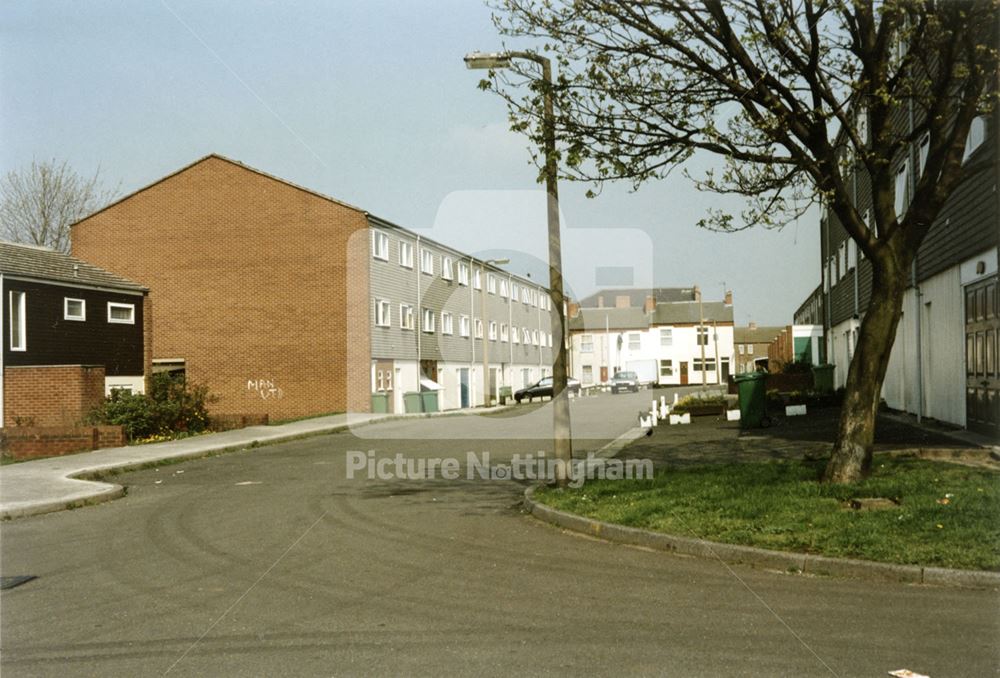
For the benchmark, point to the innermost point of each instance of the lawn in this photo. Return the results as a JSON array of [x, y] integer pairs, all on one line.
[[948, 515]]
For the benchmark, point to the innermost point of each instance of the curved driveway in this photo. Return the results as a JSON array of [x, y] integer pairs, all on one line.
[[271, 562]]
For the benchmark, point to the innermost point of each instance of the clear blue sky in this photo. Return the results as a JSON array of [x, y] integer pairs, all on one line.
[[368, 102]]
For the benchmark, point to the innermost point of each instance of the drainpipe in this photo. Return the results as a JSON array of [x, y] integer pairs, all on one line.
[[913, 274], [472, 333], [420, 309]]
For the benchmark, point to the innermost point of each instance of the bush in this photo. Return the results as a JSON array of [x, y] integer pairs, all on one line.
[[172, 406]]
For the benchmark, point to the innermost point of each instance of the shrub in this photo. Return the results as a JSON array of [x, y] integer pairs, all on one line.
[[173, 405]]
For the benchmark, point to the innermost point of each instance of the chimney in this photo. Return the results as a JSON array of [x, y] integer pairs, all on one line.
[[650, 304], [600, 301], [729, 297], [572, 309], [76, 270], [753, 325], [697, 293], [623, 301]]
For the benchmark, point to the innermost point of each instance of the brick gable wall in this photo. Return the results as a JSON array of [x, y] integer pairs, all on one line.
[[250, 281], [51, 395]]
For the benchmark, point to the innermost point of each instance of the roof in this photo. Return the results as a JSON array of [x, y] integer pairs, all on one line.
[[756, 335], [637, 296], [41, 263], [611, 318], [681, 313]]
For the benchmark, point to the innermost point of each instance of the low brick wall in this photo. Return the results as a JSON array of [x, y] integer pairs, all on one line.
[[30, 442], [228, 422], [51, 395], [783, 382]]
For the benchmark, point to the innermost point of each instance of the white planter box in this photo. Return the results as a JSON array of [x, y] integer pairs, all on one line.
[[680, 418], [794, 410], [732, 415]]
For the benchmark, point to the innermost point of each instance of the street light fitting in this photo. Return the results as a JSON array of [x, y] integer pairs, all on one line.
[[482, 60], [497, 262]]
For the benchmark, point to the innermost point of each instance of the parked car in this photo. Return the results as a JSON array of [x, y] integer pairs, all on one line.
[[625, 381], [544, 388]]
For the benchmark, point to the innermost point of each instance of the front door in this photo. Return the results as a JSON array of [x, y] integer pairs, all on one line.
[[725, 370], [463, 386], [684, 373], [429, 369], [604, 374], [982, 381]]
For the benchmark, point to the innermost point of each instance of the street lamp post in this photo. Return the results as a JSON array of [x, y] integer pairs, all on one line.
[[562, 441], [486, 328]]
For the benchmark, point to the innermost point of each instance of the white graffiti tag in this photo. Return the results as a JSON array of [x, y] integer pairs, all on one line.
[[265, 388]]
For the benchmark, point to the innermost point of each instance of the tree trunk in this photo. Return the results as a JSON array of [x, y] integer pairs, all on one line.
[[852, 449]]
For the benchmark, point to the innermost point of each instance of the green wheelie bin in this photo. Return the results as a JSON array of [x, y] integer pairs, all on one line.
[[752, 387]]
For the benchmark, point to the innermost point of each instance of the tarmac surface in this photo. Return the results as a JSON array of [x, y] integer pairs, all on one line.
[[272, 561]]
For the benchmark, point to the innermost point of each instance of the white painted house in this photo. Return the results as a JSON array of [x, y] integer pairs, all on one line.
[[665, 342]]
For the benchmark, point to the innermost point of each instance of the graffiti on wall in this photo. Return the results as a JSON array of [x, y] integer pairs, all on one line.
[[267, 389]]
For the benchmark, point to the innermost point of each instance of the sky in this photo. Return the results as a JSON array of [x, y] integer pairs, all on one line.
[[370, 103]]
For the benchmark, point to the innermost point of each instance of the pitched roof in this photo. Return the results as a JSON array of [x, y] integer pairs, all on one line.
[[755, 335], [41, 263], [637, 296], [611, 318], [680, 313]]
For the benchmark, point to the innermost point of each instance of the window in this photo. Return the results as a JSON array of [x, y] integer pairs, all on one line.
[[709, 365], [740, 348], [842, 259], [428, 323], [18, 324], [534, 298], [477, 280], [74, 309], [702, 336], [504, 333], [634, 341], [491, 283], [526, 336], [463, 326], [902, 180], [405, 254], [534, 337], [525, 295], [586, 343], [447, 323], [666, 368], [550, 341], [382, 313], [427, 262], [447, 268], [513, 293], [493, 330], [666, 336], [515, 335], [380, 245], [749, 348], [976, 137], [479, 328], [503, 289], [852, 254], [121, 313], [925, 147], [406, 316], [588, 374], [463, 273]]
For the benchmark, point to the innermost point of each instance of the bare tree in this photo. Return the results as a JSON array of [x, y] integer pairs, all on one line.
[[795, 97], [39, 203]]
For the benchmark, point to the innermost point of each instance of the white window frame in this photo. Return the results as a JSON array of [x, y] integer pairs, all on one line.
[[504, 332], [464, 325], [586, 343], [525, 336], [380, 245], [493, 330], [901, 197], [667, 367], [666, 337], [513, 293], [491, 283], [116, 321], [426, 261], [427, 321], [976, 136], [515, 334], [635, 341], [922, 152], [741, 348], [504, 288], [447, 268], [406, 316], [550, 340], [383, 313], [749, 348], [479, 328], [82, 316], [18, 300], [534, 337], [405, 254], [477, 279], [463, 273], [447, 323]]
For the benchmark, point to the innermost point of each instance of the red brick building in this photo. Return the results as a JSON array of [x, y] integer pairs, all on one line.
[[251, 276]]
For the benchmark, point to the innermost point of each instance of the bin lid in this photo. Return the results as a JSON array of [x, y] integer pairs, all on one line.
[[429, 385], [749, 376]]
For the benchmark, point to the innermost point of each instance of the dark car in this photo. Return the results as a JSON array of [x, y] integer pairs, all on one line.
[[625, 381], [544, 388]]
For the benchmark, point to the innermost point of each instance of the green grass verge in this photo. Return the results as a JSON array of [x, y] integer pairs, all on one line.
[[948, 515]]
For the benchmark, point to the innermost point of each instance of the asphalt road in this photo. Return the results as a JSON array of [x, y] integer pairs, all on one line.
[[271, 562]]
